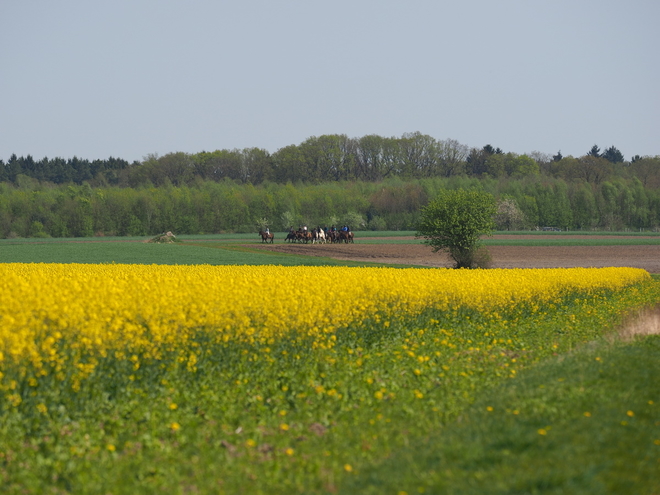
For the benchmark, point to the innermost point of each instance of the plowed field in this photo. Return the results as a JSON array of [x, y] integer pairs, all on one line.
[[643, 256]]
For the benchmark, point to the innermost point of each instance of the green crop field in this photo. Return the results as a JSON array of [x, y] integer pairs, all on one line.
[[221, 249], [209, 250]]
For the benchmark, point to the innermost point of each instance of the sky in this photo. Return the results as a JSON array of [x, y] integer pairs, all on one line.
[[129, 78]]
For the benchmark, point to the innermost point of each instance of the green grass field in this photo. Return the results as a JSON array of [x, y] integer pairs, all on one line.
[[211, 250], [224, 249], [586, 422]]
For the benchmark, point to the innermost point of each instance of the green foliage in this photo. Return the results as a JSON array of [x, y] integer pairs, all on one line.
[[508, 215], [319, 159], [36, 209], [455, 221], [583, 423], [226, 249], [613, 155]]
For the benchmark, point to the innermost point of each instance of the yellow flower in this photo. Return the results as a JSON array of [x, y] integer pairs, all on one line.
[[111, 447], [289, 451], [348, 468], [630, 413], [173, 406], [284, 427], [587, 414], [542, 431], [175, 426]]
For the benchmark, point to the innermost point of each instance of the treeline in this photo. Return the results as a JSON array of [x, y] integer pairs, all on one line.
[[38, 209], [370, 182], [332, 158], [70, 171]]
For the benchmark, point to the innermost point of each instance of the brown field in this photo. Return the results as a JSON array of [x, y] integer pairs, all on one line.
[[646, 257]]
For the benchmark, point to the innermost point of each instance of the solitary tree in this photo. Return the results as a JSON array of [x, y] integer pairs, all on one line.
[[455, 221], [508, 216]]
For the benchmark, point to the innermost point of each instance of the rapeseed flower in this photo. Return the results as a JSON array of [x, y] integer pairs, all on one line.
[[61, 320]]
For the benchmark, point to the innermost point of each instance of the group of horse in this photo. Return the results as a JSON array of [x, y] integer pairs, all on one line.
[[316, 235]]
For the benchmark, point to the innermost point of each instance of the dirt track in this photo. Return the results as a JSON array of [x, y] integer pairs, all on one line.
[[646, 257]]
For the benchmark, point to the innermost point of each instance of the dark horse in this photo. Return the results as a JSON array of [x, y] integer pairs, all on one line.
[[346, 236], [266, 237]]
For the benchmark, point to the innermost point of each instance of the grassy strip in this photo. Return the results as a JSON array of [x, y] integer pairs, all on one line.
[[547, 241], [184, 253], [584, 423], [579, 232], [263, 257]]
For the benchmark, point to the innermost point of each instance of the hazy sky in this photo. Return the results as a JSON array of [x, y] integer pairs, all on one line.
[[126, 78]]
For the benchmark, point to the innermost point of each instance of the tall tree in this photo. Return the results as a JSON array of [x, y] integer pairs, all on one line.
[[613, 155], [594, 151], [452, 155], [369, 158], [13, 168], [420, 152], [289, 165], [329, 157], [475, 162], [593, 169], [255, 165]]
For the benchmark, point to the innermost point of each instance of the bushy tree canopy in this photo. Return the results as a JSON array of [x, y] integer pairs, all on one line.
[[455, 221]]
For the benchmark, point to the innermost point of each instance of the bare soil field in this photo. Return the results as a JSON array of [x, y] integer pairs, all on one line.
[[646, 257]]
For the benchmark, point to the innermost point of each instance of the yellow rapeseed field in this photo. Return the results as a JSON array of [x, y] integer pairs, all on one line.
[[128, 378], [144, 310]]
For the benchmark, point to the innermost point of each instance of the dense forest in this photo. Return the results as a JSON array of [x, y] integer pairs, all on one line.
[[370, 182]]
